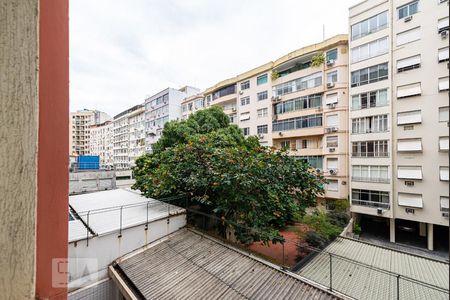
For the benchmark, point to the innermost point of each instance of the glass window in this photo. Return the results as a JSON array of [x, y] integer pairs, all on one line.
[[332, 77], [263, 112], [332, 55], [262, 129], [407, 10], [246, 131], [245, 101], [261, 79], [245, 85], [368, 26], [262, 95]]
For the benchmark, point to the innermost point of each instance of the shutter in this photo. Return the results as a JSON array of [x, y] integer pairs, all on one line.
[[443, 114], [332, 163], [411, 200], [408, 36], [245, 116], [332, 120], [409, 117], [443, 54], [408, 62], [409, 90], [331, 98], [444, 202], [442, 24], [443, 84], [443, 173], [443, 143], [409, 172], [409, 145]]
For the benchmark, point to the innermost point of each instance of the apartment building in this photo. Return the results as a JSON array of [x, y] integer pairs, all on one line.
[[128, 137], [101, 143], [288, 103], [80, 123], [161, 108], [398, 118], [191, 104]]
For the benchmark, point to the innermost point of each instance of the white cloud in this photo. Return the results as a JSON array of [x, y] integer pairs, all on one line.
[[122, 51]]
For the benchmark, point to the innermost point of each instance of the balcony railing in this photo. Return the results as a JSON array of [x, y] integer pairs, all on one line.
[[370, 154], [371, 204], [370, 179]]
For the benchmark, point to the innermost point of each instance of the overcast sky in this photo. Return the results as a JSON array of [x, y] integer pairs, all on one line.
[[123, 51]]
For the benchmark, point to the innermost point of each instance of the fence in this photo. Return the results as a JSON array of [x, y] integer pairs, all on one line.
[[337, 273]]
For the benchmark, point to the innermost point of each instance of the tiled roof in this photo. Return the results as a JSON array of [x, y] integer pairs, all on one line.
[[190, 265], [361, 281]]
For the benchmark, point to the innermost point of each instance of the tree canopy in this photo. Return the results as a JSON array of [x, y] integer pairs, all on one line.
[[234, 177]]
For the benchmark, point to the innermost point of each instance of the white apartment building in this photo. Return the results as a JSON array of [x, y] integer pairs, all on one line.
[[398, 118], [161, 108], [101, 143], [128, 137], [290, 104], [191, 104], [80, 123]]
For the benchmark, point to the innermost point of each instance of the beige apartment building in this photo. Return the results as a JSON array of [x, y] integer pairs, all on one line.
[[288, 103], [101, 143], [80, 123], [191, 104], [398, 118]]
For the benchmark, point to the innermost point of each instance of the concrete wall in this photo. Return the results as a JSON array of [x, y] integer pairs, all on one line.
[[82, 182], [18, 146]]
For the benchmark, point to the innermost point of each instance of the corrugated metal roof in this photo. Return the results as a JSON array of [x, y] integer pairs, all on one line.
[[361, 282], [189, 265], [104, 211]]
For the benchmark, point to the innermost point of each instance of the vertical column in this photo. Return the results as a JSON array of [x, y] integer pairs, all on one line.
[[392, 230], [422, 229], [430, 237]]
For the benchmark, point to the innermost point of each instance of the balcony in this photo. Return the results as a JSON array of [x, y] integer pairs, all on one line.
[[370, 179], [370, 154], [373, 204]]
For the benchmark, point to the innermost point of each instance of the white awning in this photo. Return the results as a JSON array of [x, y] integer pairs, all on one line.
[[443, 114], [409, 172], [244, 117], [443, 143], [409, 117], [332, 163], [407, 62], [444, 202], [442, 23], [443, 173], [409, 90], [409, 145], [332, 120], [443, 54], [443, 84], [411, 200], [408, 36], [331, 98]]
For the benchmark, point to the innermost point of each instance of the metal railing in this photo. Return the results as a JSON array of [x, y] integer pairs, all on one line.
[[370, 179], [371, 204]]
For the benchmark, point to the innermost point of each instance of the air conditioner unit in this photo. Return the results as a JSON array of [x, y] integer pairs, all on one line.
[[241, 92], [330, 85], [445, 214], [261, 136], [276, 98], [444, 34], [332, 105], [334, 129], [331, 149], [333, 171], [408, 18], [379, 211], [330, 62], [233, 109]]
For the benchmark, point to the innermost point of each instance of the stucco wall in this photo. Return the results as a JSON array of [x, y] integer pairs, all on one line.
[[18, 145]]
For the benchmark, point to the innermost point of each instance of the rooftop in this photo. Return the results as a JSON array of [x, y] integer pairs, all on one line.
[[189, 265]]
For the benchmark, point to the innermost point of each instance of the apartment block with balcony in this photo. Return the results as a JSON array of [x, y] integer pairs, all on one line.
[[398, 119], [136, 127], [101, 143], [80, 123], [310, 110], [224, 94], [161, 108], [191, 104]]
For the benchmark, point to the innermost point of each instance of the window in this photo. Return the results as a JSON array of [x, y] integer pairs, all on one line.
[[408, 36], [331, 98], [443, 84], [371, 124], [297, 123], [409, 172], [232, 118], [263, 112], [332, 120], [332, 141], [443, 173], [332, 77], [443, 54], [409, 63], [443, 114], [369, 26], [262, 95], [409, 145], [370, 149], [285, 144], [333, 185], [245, 85], [306, 144], [369, 75], [443, 25], [364, 173], [299, 103], [411, 200], [332, 163], [262, 129], [332, 55], [409, 90], [225, 91], [315, 162], [407, 10], [245, 101], [370, 99], [299, 84], [377, 199], [444, 203], [369, 50], [246, 131], [443, 143], [409, 117], [261, 79], [245, 116]]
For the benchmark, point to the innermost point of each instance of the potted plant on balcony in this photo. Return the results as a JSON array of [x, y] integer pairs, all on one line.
[[317, 60], [274, 75]]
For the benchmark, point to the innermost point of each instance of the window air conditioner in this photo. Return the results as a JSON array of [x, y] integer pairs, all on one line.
[[445, 214], [444, 34], [241, 92], [408, 18], [332, 105], [333, 129], [379, 211], [276, 98], [261, 136], [233, 109], [330, 62], [330, 85], [332, 149], [333, 171]]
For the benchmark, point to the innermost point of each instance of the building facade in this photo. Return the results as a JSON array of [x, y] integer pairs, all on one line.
[[161, 108], [80, 123], [398, 118], [191, 104], [101, 143]]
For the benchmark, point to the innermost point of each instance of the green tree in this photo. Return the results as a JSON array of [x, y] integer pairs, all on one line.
[[229, 175]]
